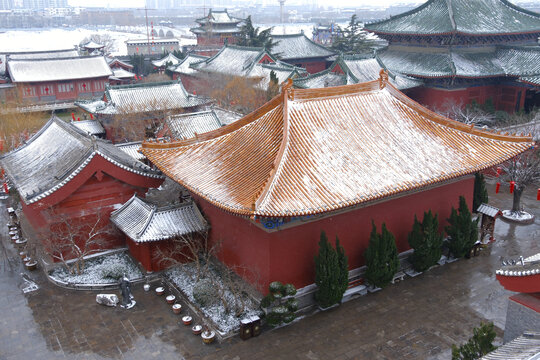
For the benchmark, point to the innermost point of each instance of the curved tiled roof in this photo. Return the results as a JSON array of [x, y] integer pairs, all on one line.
[[186, 126], [144, 222], [298, 46], [475, 17], [317, 150], [170, 58], [56, 154]]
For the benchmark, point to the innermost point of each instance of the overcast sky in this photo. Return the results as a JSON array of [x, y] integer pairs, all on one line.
[[140, 3]]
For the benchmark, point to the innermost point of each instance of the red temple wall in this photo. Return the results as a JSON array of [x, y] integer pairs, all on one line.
[[311, 66], [68, 91], [504, 97], [287, 255]]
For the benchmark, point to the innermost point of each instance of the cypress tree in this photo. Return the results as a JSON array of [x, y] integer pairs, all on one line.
[[426, 241], [343, 268], [381, 257], [327, 274], [480, 194], [463, 231]]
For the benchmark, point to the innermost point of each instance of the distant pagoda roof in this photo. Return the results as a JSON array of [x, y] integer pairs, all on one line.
[[318, 150], [298, 46], [56, 69], [218, 17], [145, 97], [353, 69], [144, 222], [56, 154], [468, 17], [217, 22], [500, 61], [91, 45]]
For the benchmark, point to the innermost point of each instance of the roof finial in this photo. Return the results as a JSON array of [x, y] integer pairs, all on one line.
[[286, 89], [383, 78]]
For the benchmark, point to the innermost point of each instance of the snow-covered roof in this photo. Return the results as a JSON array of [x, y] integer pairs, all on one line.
[[114, 62], [186, 126], [226, 117], [43, 54], [145, 42], [184, 67], [218, 17], [488, 210], [91, 127], [524, 347], [488, 62], [311, 151], [249, 62], [298, 46], [132, 149], [39, 70], [120, 73], [145, 97], [170, 58], [56, 154], [478, 17], [91, 45], [145, 222]]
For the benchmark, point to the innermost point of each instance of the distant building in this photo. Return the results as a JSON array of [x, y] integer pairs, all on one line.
[[153, 47], [298, 50], [466, 50], [217, 28]]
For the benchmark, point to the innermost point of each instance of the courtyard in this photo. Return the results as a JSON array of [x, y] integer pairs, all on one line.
[[419, 318]]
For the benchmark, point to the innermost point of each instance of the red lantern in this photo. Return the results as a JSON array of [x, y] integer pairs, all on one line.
[[6, 190], [498, 171], [78, 119], [84, 86], [91, 116], [512, 186], [47, 90], [497, 187], [1, 145], [538, 195], [73, 116]]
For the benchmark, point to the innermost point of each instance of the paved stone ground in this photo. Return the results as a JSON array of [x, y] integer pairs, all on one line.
[[416, 319]]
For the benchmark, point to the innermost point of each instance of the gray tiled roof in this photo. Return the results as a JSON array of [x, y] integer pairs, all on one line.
[[91, 127], [488, 210], [502, 61], [170, 58], [186, 126], [218, 17], [56, 154], [524, 347], [132, 149], [144, 222], [46, 54], [298, 46], [461, 16], [120, 73], [38, 70], [145, 97], [185, 66]]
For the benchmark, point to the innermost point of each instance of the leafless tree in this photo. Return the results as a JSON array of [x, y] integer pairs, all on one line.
[[523, 170], [75, 239], [466, 114]]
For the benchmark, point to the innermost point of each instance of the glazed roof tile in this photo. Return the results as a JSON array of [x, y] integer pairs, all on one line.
[[317, 150], [144, 222], [56, 154], [186, 126], [170, 58], [145, 97], [461, 16], [298, 46], [91, 127], [39, 70]]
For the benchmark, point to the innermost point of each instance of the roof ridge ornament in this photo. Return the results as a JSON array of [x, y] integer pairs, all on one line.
[[383, 78]]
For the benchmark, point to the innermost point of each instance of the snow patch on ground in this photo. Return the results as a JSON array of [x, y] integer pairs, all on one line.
[[183, 277], [517, 216], [96, 268]]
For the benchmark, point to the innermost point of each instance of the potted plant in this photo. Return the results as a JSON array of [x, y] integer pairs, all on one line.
[[177, 308], [208, 335], [280, 305], [187, 320], [170, 299], [160, 290], [197, 329]]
